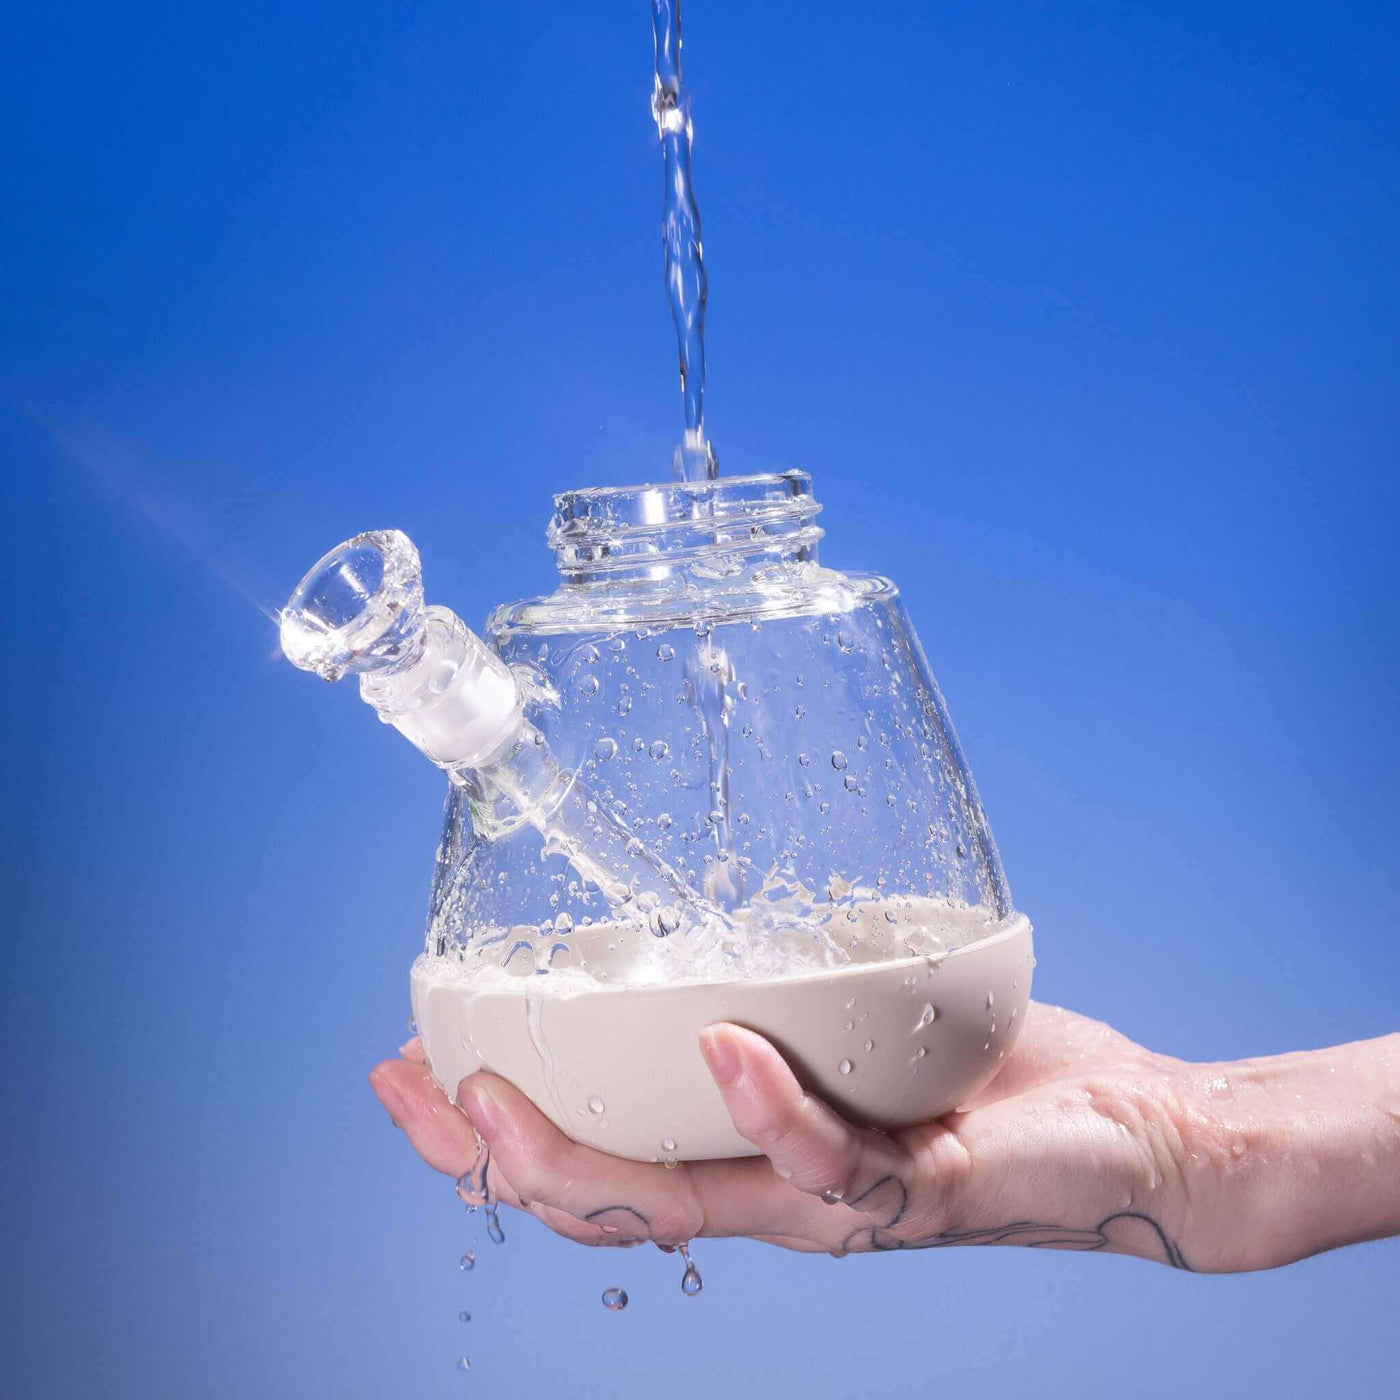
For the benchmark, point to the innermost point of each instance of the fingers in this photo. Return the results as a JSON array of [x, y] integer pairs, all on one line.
[[616, 1197], [810, 1146]]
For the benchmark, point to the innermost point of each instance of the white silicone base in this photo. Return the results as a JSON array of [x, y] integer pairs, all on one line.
[[619, 1068]]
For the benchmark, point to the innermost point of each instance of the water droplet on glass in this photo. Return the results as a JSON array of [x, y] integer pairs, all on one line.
[[832, 1196], [921, 1052], [800, 712], [891, 917], [850, 1026], [668, 1144], [660, 750], [596, 1105], [564, 923], [467, 1261], [845, 1067], [665, 821], [589, 685], [665, 652], [825, 808], [927, 1018], [844, 640], [838, 761], [604, 749], [852, 783], [991, 1001], [624, 706], [614, 1299], [869, 1046], [716, 817]]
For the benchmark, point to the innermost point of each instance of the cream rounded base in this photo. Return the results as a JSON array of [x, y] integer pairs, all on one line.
[[619, 1068]]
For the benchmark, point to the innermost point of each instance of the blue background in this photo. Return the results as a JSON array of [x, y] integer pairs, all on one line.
[[1084, 319]]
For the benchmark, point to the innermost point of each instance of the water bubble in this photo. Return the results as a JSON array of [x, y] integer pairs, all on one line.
[[624, 705], [665, 821], [716, 817], [660, 750], [804, 759], [852, 783], [800, 712], [596, 1105], [604, 749], [614, 1299], [589, 685], [665, 652], [467, 1262], [862, 742], [825, 809], [927, 1017], [464, 1317], [891, 917], [845, 1067], [838, 761], [921, 1052]]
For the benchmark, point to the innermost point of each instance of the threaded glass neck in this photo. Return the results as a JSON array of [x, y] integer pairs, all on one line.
[[709, 529]]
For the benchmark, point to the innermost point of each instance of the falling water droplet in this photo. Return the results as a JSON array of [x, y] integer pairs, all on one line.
[[614, 1299], [463, 1364], [691, 1283], [464, 1316], [468, 1261], [493, 1226]]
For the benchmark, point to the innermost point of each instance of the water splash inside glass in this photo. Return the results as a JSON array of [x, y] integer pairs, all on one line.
[[687, 288]]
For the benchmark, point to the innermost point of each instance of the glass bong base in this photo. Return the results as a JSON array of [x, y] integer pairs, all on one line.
[[886, 1043]]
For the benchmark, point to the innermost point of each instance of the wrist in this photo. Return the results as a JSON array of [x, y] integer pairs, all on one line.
[[1288, 1155]]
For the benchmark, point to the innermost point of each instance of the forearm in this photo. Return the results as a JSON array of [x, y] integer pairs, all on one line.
[[1293, 1154]]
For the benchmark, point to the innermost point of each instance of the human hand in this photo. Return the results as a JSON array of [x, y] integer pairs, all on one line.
[[1083, 1141]]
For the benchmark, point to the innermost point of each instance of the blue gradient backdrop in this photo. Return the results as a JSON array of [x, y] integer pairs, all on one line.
[[1084, 319]]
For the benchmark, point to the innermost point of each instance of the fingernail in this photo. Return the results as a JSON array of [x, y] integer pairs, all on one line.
[[480, 1105], [724, 1062], [388, 1095]]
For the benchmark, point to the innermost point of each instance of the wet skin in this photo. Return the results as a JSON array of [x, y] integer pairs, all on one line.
[[1084, 1141]]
